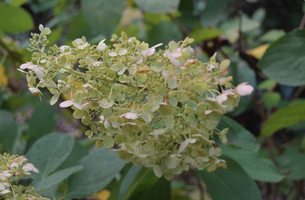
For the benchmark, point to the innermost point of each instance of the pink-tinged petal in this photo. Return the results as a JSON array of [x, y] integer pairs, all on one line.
[[148, 52], [208, 112], [22, 71], [101, 46], [221, 98], [243, 89], [96, 64], [64, 47], [157, 45], [140, 61], [175, 62], [24, 66], [183, 145], [176, 54], [66, 104], [224, 72], [35, 91], [5, 191], [130, 115], [113, 54]]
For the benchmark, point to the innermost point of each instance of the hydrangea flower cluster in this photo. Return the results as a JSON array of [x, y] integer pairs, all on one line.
[[155, 108], [13, 167]]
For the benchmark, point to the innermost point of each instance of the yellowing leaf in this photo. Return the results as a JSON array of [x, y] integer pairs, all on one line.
[[102, 195], [259, 51], [3, 77]]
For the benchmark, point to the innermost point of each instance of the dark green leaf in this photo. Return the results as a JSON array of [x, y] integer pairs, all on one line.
[[187, 18], [256, 167], [76, 154], [202, 34], [42, 121], [48, 153], [149, 187], [244, 139], [103, 15], [283, 118], [284, 59], [212, 12], [271, 99], [128, 179], [79, 27], [17, 3], [158, 6], [164, 32], [272, 35], [292, 161], [100, 167], [17, 20], [8, 130], [266, 85], [55, 178], [232, 183]]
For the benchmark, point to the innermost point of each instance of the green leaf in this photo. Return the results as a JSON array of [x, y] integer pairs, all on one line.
[[202, 34], [231, 27], [17, 3], [283, 118], [292, 161], [271, 99], [55, 178], [103, 15], [164, 32], [266, 84], [210, 16], [128, 179], [76, 154], [79, 27], [256, 167], [232, 183], [244, 139], [272, 35], [100, 167], [8, 130], [17, 20], [48, 153], [284, 59], [158, 6], [149, 187], [42, 121]]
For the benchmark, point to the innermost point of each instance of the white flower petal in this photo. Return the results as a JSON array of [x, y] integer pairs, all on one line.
[[66, 104]]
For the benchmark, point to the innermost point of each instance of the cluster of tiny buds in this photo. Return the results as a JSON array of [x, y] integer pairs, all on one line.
[[12, 168], [155, 108]]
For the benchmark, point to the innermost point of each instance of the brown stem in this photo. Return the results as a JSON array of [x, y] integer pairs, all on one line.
[[302, 24], [239, 13], [258, 105], [198, 184], [180, 26], [297, 93]]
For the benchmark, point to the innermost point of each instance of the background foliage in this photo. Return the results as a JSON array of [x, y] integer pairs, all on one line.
[[264, 41]]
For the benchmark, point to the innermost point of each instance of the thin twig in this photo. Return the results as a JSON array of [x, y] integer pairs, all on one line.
[[180, 26], [259, 107], [198, 184], [297, 93], [239, 13], [302, 24]]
